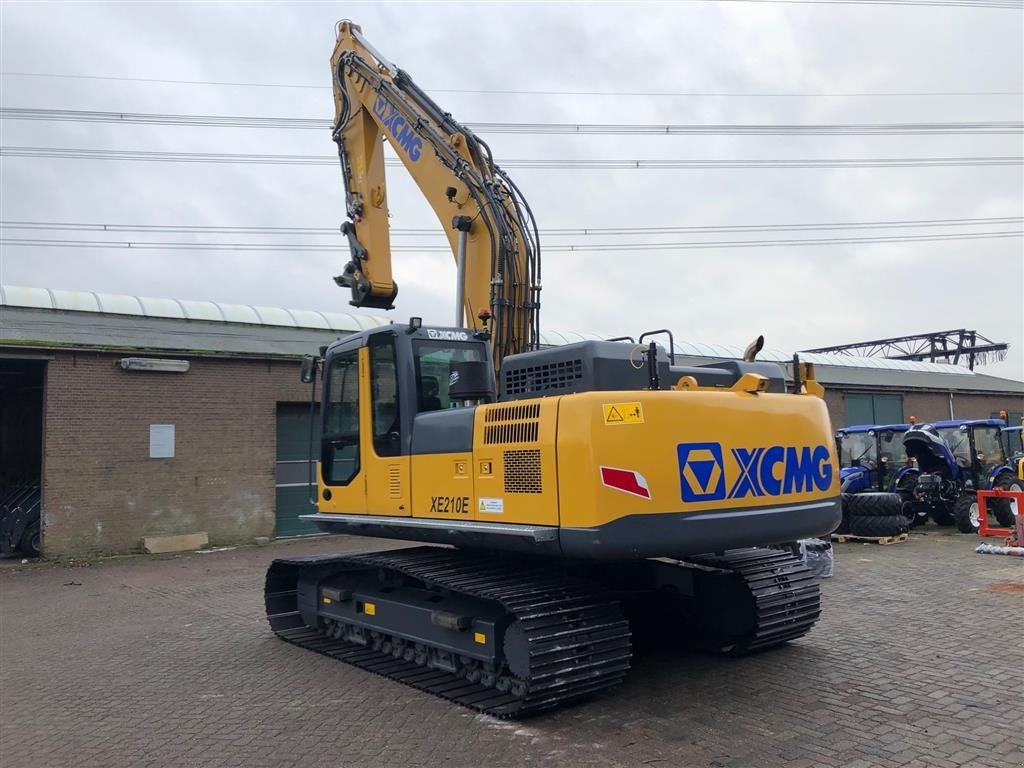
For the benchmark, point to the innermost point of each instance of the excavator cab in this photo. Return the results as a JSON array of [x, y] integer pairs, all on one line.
[[387, 393]]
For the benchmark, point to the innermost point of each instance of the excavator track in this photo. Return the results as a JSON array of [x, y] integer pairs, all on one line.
[[786, 599], [570, 638]]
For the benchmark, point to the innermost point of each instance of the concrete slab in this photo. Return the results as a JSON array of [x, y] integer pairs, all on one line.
[[185, 542]]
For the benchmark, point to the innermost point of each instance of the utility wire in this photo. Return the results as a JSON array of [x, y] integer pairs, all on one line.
[[528, 92], [562, 248], [235, 121], [1006, 4], [539, 164], [56, 226]]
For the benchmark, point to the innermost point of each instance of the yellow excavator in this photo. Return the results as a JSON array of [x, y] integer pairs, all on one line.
[[583, 494]]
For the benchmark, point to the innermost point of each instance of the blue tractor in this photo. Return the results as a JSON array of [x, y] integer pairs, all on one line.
[[871, 457], [874, 467], [1013, 445], [956, 459]]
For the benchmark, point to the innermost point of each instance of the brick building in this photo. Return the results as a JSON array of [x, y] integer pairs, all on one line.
[[142, 417]]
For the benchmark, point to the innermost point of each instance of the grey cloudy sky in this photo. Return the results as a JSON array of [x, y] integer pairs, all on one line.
[[798, 296]]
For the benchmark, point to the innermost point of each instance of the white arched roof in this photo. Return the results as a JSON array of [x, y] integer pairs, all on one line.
[[185, 309]]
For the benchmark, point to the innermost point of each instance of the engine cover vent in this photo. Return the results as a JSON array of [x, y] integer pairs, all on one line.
[[557, 375], [522, 471], [512, 424]]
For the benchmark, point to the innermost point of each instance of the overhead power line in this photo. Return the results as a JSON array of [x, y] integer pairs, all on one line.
[[1006, 4], [558, 248], [294, 123], [60, 226], [536, 164], [535, 92]]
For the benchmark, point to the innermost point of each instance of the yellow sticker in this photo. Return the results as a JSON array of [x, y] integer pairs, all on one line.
[[369, 609], [623, 413], [480, 638], [328, 600]]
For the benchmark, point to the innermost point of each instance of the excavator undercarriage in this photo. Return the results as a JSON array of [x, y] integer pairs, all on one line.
[[513, 635]]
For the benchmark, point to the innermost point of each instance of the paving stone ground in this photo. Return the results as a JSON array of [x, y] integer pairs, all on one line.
[[166, 661]]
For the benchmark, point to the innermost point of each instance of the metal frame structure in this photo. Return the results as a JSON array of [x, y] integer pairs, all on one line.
[[956, 345]]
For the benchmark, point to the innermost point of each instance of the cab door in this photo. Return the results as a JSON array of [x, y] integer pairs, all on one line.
[[342, 479], [386, 467]]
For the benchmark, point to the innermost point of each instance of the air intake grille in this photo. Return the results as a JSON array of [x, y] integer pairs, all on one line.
[[522, 471], [394, 481], [548, 377], [512, 424]]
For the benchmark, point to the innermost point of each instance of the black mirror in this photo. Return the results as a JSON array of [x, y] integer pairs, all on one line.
[[308, 369]]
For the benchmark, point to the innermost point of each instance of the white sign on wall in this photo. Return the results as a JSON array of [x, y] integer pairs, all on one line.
[[161, 441]]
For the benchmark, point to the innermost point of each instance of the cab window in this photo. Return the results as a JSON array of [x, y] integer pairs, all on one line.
[[387, 433], [339, 458], [433, 370]]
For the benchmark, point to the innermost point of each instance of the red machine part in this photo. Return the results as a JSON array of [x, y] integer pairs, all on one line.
[[1014, 536]]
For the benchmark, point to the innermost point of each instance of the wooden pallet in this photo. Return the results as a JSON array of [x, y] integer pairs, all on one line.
[[842, 538]]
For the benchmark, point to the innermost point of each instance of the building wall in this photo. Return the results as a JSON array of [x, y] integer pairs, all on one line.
[[102, 492], [983, 406], [932, 406]]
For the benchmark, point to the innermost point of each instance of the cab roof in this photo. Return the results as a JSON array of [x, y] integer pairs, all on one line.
[[876, 427], [968, 422]]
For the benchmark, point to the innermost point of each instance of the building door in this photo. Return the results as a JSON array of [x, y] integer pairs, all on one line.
[[21, 451], [873, 409], [294, 467]]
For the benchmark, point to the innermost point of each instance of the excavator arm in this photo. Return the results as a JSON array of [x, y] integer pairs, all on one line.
[[489, 226]]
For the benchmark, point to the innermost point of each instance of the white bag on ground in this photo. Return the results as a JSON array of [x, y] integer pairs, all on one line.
[[818, 556]]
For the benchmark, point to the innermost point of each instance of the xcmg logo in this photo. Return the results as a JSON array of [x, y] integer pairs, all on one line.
[[433, 333], [769, 471], [405, 134]]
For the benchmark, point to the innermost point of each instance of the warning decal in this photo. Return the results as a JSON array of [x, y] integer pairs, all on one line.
[[623, 413]]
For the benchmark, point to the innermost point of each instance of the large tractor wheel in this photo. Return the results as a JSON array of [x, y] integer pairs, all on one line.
[[915, 511], [874, 504], [943, 513], [844, 522], [1002, 508], [877, 527], [965, 513], [29, 545]]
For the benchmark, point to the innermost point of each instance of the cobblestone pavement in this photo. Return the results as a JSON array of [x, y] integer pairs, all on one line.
[[918, 661]]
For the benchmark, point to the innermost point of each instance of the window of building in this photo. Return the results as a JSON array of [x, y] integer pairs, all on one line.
[[873, 409], [1012, 417]]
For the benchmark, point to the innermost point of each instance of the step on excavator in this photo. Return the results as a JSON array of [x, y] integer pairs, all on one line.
[[565, 500]]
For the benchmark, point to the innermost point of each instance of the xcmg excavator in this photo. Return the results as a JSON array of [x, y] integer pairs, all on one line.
[[594, 490]]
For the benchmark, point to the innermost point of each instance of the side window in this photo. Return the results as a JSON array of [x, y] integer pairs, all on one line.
[[340, 443], [434, 370], [387, 437]]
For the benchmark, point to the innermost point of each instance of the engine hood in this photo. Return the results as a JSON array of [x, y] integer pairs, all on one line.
[[925, 446]]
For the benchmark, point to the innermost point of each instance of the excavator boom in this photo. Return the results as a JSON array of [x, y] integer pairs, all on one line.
[[488, 224]]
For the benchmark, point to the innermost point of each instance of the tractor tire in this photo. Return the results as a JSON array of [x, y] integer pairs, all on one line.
[[844, 522], [965, 513], [915, 512], [29, 544], [874, 504], [1001, 508], [878, 526], [942, 514]]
